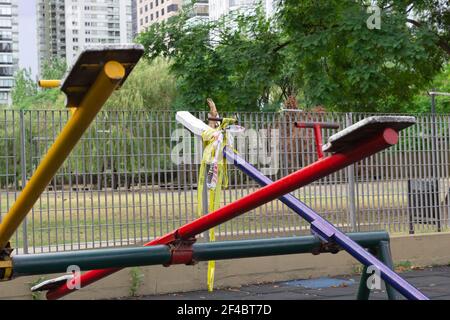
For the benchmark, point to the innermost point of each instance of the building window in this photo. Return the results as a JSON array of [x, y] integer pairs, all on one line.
[[172, 8]]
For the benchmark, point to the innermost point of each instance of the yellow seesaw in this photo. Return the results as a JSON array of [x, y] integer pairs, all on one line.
[[98, 71]]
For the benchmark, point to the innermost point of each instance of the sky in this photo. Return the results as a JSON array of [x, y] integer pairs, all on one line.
[[28, 35]]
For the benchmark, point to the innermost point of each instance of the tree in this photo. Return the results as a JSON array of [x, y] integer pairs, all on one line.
[[54, 68], [422, 102], [149, 87], [24, 89], [27, 95], [237, 61], [347, 66], [432, 16]]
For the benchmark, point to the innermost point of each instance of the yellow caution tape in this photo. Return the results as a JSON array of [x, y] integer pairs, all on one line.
[[214, 141]]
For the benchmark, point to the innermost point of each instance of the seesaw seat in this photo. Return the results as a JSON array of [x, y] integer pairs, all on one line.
[[193, 124], [89, 63], [363, 130], [52, 283]]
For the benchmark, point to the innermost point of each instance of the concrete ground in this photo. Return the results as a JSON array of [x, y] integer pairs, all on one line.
[[433, 282]]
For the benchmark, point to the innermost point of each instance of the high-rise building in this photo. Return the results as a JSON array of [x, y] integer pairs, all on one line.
[[66, 26], [151, 11], [219, 8], [199, 11], [9, 48], [134, 18]]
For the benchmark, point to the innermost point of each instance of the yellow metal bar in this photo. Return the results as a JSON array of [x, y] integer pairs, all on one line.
[[48, 84], [107, 81]]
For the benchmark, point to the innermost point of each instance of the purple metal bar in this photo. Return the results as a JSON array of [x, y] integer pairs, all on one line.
[[329, 233]]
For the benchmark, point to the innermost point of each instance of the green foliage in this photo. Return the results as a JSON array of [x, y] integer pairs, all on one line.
[[236, 61], [403, 266], [317, 52], [321, 52], [27, 95], [347, 66], [54, 69], [422, 102], [149, 87], [25, 89], [38, 294], [137, 278]]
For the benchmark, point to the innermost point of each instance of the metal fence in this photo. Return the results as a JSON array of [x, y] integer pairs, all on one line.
[[133, 177]]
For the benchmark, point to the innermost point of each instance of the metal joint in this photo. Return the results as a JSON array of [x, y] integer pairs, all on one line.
[[182, 252], [6, 266], [326, 247]]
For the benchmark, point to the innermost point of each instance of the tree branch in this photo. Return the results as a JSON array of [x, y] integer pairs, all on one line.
[[282, 45], [442, 43]]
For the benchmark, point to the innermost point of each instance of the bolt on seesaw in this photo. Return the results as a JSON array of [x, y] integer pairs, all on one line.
[[98, 71], [351, 145]]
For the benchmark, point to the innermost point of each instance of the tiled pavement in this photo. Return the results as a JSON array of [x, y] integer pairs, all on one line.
[[433, 282]]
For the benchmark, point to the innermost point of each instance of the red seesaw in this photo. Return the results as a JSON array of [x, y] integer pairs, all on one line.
[[381, 139]]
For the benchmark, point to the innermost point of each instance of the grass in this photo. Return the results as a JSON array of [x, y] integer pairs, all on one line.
[[66, 217], [38, 294], [136, 281], [403, 266]]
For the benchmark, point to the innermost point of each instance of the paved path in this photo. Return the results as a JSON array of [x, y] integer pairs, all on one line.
[[433, 282]]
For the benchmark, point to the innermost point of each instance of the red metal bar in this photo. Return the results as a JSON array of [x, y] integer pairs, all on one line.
[[310, 125], [298, 179], [317, 126], [318, 139]]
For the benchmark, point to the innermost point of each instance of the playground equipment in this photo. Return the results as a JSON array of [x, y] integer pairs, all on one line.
[[38, 264], [344, 146], [95, 75], [349, 146], [47, 263]]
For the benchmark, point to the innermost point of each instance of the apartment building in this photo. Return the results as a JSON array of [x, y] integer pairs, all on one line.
[[151, 11], [66, 26], [9, 48], [219, 8], [134, 18]]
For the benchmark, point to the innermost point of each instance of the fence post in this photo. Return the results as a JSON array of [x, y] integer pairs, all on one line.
[[351, 184], [435, 165], [23, 168]]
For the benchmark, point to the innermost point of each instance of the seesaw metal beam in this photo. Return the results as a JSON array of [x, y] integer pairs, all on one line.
[[377, 142], [102, 82], [49, 84], [330, 233], [47, 263], [349, 144]]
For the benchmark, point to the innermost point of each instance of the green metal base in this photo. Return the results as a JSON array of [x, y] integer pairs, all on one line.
[[383, 252], [37, 264]]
